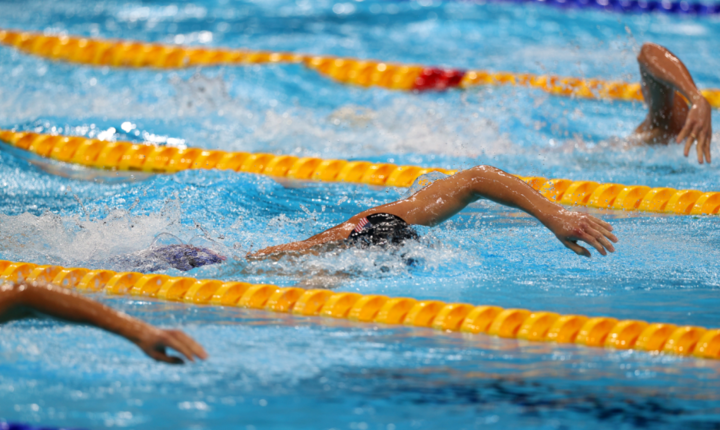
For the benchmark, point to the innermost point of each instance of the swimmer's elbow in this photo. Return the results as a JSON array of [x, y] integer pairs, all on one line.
[[12, 291], [648, 50], [11, 297], [485, 170]]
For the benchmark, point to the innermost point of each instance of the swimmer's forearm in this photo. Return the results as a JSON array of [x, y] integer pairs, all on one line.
[[504, 188], [569, 227], [293, 247], [333, 234], [665, 67], [62, 304]]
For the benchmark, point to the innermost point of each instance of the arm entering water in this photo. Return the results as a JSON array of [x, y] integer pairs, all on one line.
[[444, 198], [663, 74], [19, 301]]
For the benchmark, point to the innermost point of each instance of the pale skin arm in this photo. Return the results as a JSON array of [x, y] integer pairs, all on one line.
[[444, 198], [663, 74], [19, 301]]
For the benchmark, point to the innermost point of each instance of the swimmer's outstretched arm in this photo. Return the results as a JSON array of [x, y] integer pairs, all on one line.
[[19, 301], [662, 75], [444, 198], [312, 245]]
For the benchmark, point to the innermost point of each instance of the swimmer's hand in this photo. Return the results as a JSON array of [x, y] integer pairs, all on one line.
[[698, 128], [154, 342], [571, 227]]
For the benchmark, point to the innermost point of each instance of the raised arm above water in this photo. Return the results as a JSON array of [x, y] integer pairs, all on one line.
[[663, 74], [444, 198]]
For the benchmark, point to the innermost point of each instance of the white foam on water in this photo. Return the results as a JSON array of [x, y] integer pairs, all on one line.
[[83, 240], [408, 124]]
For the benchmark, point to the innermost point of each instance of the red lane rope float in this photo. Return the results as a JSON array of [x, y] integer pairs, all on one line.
[[164, 159], [524, 324], [366, 73]]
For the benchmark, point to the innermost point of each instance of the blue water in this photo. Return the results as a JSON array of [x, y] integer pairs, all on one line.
[[270, 371]]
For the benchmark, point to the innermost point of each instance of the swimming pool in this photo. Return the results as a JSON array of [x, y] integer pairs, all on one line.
[[279, 371]]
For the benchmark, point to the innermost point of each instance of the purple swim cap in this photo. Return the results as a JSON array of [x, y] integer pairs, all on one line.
[[186, 257]]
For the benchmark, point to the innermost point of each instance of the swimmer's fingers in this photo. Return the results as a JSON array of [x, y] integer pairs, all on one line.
[[708, 140], [686, 131], [688, 144], [601, 228], [579, 250], [161, 355], [592, 241], [196, 349], [155, 342], [704, 142], [607, 226], [183, 344], [693, 135], [699, 146], [604, 241]]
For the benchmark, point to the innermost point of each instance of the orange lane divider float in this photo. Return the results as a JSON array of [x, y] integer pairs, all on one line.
[[165, 159], [447, 317], [366, 73]]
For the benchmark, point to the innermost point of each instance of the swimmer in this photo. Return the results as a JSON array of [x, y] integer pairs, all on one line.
[[670, 116], [18, 301], [391, 224]]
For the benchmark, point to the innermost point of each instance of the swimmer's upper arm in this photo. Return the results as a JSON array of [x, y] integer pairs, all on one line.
[[434, 203]]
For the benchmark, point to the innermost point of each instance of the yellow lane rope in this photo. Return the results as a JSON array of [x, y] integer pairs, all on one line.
[[447, 317], [366, 73], [165, 159]]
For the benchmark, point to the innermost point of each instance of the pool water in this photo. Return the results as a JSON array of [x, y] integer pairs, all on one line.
[[271, 371]]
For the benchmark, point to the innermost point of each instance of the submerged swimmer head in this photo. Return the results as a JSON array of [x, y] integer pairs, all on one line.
[[186, 257], [162, 257]]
